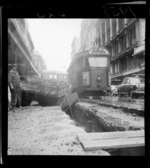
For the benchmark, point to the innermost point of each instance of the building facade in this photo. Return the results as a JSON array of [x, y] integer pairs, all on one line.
[[21, 47], [125, 40], [75, 46], [89, 34], [38, 61]]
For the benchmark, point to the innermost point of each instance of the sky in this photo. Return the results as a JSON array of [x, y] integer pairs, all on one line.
[[52, 38]]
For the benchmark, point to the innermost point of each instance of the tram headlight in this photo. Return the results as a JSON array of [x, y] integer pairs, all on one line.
[[98, 79]]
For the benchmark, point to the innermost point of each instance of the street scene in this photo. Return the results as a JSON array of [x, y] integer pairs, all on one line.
[[76, 87]]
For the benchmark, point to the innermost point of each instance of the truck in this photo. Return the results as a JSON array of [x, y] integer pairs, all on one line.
[[45, 91]]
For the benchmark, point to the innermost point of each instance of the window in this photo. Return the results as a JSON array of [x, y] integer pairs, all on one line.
[[132, 36], [115, 67], [121, 23], [103, 32], [108, 29], [123, 43], [50, 76], [113, 50], [134, 81], [126, 81], [55, 76], [97, 61], [110, 51], [114, 27], [116, 47]]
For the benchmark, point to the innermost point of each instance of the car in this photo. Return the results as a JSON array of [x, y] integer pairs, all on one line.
[[131, 85]]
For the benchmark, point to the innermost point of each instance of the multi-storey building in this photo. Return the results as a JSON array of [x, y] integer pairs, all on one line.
[[125, 40], [20, 47], [89, 34], [75, 46], [38, 61]]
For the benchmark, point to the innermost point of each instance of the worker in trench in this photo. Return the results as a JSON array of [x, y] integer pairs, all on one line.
[[14, 84]]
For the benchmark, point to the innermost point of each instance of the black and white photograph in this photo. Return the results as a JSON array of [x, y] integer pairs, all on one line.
[[76, 86]]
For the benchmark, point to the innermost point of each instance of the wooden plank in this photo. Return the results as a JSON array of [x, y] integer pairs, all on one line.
[[113, 143], [111, 135]]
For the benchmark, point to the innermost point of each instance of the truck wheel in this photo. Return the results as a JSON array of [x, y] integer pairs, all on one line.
[[26, 102], [42, 102]]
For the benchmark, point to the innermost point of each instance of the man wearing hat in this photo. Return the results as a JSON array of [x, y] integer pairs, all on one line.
[[13, 81]]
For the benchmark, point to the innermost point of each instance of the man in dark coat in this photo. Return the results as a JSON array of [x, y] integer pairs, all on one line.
[[13, 80]]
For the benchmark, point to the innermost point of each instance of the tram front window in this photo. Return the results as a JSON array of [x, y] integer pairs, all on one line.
[[97, 61]]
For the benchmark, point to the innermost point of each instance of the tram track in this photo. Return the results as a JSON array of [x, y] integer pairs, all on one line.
[[126, 104]]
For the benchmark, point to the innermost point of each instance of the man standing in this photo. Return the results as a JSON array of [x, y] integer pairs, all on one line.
[[13, 80]]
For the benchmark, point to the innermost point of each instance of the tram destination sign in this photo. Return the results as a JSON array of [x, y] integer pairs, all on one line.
[[98, 51]]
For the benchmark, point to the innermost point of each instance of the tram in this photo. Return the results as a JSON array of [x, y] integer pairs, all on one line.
[[89, 72]]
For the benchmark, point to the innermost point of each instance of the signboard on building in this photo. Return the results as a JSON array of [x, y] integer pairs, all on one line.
[[86, 79]]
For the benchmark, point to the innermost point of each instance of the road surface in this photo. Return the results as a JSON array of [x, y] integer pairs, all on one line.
[[36, 130]]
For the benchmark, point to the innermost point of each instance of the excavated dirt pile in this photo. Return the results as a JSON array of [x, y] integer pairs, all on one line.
[[106, 118]]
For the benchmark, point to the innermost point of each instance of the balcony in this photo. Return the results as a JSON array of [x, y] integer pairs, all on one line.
[[139, 50], [16, 34], [129, 71], [133, 70], [125, 51]]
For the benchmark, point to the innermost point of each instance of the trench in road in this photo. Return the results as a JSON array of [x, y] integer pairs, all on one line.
[[90, 123]]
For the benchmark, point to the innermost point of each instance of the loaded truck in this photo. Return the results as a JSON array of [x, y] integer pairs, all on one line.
[[44, 91]]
